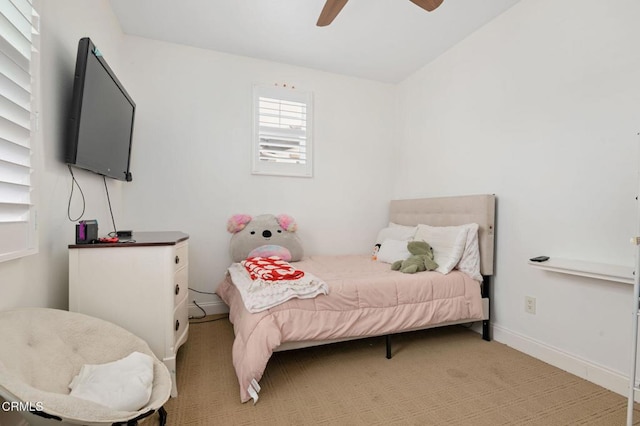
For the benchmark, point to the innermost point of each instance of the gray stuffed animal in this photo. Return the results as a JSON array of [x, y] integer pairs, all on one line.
[[264, 236]]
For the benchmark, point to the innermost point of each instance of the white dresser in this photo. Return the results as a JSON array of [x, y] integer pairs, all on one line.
[[140, 285]]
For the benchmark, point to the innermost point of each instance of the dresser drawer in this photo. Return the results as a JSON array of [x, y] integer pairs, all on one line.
[[180, 287], [181, 258], [180, 321]]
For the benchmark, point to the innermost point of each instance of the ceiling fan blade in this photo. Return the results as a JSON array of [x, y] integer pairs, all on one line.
[[330, 11], [428, 5]]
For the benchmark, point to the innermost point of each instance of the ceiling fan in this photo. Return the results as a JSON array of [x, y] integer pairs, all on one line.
[[333, 7]]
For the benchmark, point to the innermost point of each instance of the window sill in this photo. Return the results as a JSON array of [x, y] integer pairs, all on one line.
[[601, 271]]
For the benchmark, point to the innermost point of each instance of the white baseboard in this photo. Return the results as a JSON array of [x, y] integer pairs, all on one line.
[[211, 308], [602, 376]]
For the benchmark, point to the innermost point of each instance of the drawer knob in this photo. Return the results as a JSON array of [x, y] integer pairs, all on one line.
[[177, 289], [177, 259], [177, 325]]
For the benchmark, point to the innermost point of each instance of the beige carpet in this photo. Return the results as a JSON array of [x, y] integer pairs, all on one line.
[[446, 376]]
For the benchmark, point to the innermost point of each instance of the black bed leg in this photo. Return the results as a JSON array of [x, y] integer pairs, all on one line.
[[388, 341], [486, 335], [486, 294]]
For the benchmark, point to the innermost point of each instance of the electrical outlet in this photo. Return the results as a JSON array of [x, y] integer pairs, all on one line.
[[530, 304]]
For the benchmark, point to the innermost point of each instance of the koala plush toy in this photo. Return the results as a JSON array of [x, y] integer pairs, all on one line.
[[265, 235]]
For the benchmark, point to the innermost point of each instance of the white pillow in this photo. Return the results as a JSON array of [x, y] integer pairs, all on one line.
[[392, 250], [396, 232], [448, 243], [122, 385], [470, 261]]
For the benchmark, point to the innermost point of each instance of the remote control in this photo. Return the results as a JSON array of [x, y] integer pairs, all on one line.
[[539, 259]]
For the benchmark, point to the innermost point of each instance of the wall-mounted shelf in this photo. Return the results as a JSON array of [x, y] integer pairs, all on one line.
[[601, 271]]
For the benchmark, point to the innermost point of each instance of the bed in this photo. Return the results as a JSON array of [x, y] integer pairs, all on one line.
[[366, 298]]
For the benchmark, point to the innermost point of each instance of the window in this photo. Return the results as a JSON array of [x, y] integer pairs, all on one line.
[[282, 143], [18, 42]]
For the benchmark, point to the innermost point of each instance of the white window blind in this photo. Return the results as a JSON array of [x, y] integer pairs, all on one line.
[[282, 142], [18, 42]]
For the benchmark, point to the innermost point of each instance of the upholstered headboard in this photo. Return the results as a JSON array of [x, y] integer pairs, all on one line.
[[450, 211]]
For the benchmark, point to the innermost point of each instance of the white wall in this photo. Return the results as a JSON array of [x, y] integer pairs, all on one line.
[[42, 279], [192, 147], [542, 108]]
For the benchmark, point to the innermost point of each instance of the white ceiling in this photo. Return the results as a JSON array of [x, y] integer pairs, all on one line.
[[383, 40]]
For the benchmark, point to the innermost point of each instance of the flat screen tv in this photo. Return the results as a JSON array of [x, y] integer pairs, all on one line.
[[101, 119]]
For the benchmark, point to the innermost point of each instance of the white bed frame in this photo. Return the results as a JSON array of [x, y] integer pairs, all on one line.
[[442, 211]]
